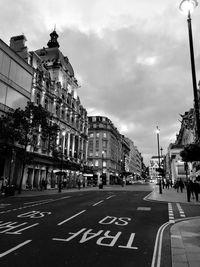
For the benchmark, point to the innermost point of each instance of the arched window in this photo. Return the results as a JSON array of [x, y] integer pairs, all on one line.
[[38, 99]]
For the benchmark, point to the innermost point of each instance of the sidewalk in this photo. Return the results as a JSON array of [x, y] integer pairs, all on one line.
[[185, 235]]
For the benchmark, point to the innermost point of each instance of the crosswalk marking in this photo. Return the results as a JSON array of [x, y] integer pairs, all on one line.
[[181, 212], [171, 212]]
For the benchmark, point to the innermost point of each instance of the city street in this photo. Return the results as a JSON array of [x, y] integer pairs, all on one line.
[[84, 228]]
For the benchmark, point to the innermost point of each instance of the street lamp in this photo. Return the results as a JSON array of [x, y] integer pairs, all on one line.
[[158, 132], [61, 171], [187, 7]]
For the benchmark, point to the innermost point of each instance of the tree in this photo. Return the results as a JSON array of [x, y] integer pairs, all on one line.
[[19, 127], [191, 153]]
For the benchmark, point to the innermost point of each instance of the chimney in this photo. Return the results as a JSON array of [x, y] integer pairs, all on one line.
[[17, 43]]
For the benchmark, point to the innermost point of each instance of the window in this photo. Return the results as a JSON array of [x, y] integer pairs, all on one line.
[[104, 163], [97, 153], [38, 98], [97, 144], [104, 144], [97, 135], [57, 110], [96, 163], [104, 135], [93, 118], [90, 153], [46, 104], [90, 144], [63, 114], [91, 135]]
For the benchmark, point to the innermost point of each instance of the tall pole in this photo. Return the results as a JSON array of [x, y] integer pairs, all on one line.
[[158, 143], [196, 103]]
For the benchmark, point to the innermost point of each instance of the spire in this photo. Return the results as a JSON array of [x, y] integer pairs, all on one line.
[[53, 41]]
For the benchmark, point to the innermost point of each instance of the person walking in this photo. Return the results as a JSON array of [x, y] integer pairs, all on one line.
[[196, 187], [180, 185], [190, 189]]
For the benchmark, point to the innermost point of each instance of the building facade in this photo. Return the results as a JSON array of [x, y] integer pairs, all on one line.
[[15, 91], [107, 150], [135, 162], [53, 85]]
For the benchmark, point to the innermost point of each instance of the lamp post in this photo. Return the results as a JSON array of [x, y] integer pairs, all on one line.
[[102, 167], [187, 7], [158, 132], [61, 171]]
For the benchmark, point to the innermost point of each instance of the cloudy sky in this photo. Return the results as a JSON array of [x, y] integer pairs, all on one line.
[[131, 58]]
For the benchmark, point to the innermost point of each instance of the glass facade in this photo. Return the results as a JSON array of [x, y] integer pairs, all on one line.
[[9, 68], [15, 82]]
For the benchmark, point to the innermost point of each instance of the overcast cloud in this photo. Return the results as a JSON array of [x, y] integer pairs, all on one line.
[[131, 58]]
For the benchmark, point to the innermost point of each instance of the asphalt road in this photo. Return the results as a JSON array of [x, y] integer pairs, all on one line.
[[97, 228]]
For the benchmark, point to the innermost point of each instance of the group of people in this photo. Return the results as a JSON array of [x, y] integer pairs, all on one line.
[[166, 183], [192, 188]]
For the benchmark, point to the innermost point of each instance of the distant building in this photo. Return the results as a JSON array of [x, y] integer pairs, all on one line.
[[135, 161], [107, 150], [154, 165]]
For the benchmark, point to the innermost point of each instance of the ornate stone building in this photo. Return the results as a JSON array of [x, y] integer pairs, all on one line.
[[55, 87]]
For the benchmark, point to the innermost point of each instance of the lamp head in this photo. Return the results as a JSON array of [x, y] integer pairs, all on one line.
[[157, 130], [188, 6]]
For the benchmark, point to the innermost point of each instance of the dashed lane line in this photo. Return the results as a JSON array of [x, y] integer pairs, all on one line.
[[14, 248], [70, 218], [110, 196], [98, 203], [33, 205]]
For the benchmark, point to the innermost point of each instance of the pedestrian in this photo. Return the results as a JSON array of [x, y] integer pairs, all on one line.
[[4, 185], [167, 183], [79, 183], [163, 183], [190, 189], [196, 187], [180, 185]]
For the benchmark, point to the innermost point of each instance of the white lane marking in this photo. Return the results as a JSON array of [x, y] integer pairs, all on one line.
[[3, 205], [71, 217], [37, 204], [158, 246], [97, 203], [40, 201], [181, 212], [14, 248], [144, 208], [110, 197], [65, 197]]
